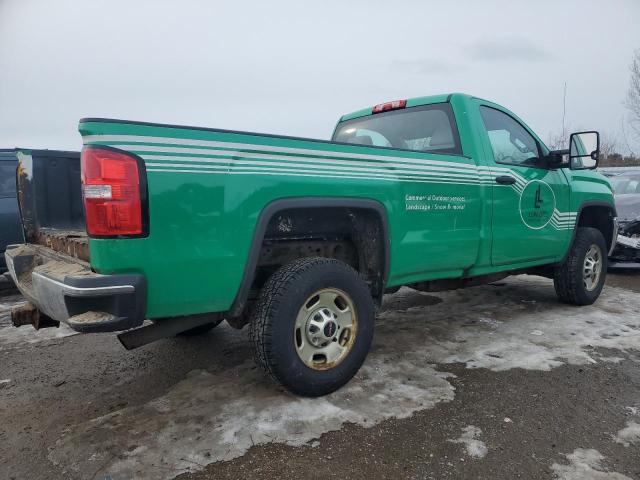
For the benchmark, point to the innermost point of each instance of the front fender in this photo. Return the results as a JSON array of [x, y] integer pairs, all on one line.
[[589, 188]]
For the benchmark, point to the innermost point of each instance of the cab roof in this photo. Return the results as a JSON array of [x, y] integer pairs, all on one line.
[[411, 102]]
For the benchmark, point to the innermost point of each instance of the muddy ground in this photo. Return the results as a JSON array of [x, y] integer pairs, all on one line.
[[495, 382]]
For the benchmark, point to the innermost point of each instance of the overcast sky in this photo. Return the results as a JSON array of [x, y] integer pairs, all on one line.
[[293, 67]]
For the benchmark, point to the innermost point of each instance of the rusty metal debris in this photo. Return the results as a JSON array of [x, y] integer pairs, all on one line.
[[29, 315], [72, 243]]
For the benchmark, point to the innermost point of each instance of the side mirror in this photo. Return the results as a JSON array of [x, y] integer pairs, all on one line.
[[584, 150], [557, 159]]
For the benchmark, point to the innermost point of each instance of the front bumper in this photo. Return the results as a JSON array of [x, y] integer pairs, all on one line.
[[616, 230], [626, 248], [626, 253], [65, 289]]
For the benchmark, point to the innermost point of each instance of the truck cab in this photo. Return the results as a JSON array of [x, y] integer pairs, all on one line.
[[521, 209]]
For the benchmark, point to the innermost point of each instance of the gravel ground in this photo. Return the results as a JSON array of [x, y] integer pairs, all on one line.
[[494, 382]]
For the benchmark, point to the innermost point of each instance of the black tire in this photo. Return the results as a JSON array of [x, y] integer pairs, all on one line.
[[568, 277], [272, 325], [200, 330]]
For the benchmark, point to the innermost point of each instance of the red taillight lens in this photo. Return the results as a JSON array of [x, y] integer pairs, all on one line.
[[383, 107], [112, 193]]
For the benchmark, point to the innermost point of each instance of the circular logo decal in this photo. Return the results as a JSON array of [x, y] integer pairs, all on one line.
[[537, 204]]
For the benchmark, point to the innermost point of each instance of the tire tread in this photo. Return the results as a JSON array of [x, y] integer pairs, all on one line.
[[276, 291], [568, 275]]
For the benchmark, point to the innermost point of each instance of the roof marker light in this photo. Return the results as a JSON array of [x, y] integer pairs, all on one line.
[[385, 107]]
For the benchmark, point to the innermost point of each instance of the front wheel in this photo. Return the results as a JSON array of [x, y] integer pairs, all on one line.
[[580, 278], [312, 325]]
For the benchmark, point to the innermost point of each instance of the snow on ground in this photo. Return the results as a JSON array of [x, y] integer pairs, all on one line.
[[522, 326], [585, 465], [629, 435], [209, 417], [469, 438], [12, 337]]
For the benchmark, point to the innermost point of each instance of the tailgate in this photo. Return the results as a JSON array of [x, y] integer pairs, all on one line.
[[50, 199], [52, 268]]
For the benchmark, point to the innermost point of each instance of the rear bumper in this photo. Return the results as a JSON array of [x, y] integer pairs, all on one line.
[[614, 265], [65, 289]]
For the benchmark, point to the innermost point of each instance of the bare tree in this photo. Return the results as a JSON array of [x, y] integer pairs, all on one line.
[[632, 101], [557, 141], [625, 138], [609, 145]]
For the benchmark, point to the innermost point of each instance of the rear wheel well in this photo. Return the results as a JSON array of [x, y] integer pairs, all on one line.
[[355, 236], [599, 217], [353, 230]]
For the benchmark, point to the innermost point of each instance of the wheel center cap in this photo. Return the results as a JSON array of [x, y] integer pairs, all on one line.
[[329, 329], [321, 327]]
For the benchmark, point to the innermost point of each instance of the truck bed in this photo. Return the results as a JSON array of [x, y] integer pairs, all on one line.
[[74, 243]]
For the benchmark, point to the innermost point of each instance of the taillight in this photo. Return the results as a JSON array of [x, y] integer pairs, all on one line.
[[112, 191], [384, 107]]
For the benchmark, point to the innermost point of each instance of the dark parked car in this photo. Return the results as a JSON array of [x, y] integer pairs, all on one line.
[[626, 188], [10, 227]]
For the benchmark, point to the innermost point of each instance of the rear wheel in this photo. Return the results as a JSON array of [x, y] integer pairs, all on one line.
[[580, 279], [312, 325]]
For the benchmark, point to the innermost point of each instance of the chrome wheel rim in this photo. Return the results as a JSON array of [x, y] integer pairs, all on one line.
[[325, 329], [592, 268]]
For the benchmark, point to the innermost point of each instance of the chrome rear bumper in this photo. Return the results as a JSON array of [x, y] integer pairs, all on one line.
[[66, 290]]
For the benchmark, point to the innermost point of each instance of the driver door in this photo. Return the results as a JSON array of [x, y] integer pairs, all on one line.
[[530, 219]]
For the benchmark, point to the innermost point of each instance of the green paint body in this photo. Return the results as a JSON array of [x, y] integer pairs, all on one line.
[[207, 189]]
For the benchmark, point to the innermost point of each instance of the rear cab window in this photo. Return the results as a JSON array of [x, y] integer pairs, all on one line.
[[426, 128]]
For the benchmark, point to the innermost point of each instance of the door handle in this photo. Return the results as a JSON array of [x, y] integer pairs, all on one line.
[[505, 180]]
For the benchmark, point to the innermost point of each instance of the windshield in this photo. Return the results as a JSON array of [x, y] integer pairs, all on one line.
[[626, 188], [625, 184], [427, 128]]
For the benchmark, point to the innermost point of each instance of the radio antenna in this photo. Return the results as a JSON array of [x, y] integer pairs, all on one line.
[[564, 111]]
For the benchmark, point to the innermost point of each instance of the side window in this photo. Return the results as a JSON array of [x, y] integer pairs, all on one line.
[[511, 142], [8, 179]]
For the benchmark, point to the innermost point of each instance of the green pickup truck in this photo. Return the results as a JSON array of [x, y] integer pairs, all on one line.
[[301, 238]]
